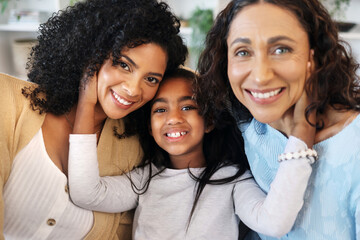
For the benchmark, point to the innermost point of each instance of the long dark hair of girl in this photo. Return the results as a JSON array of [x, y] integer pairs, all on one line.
[[223, 146]]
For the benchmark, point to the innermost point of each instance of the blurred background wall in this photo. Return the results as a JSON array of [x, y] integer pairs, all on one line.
[[20, 19]]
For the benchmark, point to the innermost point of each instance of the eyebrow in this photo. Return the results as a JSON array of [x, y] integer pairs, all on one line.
[[270, 41], [163, 100], [136, 66], [130, 60]]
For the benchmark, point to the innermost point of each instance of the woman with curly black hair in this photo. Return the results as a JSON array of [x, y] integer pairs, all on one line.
[[267, 56], [111, 52]]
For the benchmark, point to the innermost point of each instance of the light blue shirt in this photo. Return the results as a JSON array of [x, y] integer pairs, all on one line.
[[331, 207]]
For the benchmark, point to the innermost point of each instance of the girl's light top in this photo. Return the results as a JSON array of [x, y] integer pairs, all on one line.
[[332, 200], [163, 210]]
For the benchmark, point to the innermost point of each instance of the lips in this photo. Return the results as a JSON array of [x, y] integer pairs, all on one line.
[[265, 95], [121, 100], [176, 134]]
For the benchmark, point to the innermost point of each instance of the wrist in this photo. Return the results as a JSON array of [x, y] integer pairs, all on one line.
[[310, 154], [84, 119]]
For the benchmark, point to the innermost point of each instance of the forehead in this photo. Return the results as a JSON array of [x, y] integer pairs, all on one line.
[[266, 20], [175, 87]]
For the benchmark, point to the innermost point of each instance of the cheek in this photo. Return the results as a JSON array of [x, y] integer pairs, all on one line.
[[107, 77], [296, 81], [155, 127], [236, 74], [235, 81], [199, 124]]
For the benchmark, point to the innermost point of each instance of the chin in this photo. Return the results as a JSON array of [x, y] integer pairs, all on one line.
[[117, 116], [265, 118]]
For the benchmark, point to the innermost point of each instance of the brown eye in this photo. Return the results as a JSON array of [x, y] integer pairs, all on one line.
[[153, 80], [124, 66]]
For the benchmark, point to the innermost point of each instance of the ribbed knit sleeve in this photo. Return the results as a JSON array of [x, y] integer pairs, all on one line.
[[88, 189]]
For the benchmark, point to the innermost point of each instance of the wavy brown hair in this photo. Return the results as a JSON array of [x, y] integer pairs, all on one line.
[[334, 81]]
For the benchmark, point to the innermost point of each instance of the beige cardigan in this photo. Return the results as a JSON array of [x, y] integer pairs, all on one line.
[[19, 123]]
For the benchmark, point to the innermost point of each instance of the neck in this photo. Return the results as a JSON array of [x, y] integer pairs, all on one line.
[[285, 123], [333, 122], [190, 160]]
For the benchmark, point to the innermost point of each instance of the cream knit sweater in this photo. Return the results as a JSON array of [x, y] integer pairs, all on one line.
[[19, 123]]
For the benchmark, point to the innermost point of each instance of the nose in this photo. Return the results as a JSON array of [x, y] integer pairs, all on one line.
[[262, 70], [174, 117], [132, 86]]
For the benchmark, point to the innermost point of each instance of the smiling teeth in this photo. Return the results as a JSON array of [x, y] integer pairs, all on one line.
[[266, 95], [120, 100], [175, 134]]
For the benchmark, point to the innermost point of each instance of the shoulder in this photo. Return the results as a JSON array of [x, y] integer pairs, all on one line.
[[11, 90], [11, 82], [229, 171]]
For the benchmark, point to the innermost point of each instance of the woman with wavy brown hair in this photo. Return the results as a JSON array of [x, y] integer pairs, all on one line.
[[262, 59], [124, 48]]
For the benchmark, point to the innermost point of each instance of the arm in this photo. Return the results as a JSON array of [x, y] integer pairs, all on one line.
[[275, 214], [88, 189]]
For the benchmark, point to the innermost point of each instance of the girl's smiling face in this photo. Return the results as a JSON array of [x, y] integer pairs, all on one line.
[[128, 85], [176, 124], [268, 60]]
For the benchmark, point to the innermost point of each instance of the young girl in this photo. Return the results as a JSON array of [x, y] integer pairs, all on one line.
[[194, 184]]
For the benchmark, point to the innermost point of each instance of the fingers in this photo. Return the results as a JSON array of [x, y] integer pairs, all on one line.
[[88, 90], [85, 112]]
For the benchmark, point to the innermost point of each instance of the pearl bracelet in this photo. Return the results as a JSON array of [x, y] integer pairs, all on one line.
[[310, 154]]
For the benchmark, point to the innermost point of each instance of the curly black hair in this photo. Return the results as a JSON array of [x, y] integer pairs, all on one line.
[[334, 81], [75, 43]]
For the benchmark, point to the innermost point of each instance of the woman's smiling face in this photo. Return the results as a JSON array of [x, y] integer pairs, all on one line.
[[128, 85], [268, 60]]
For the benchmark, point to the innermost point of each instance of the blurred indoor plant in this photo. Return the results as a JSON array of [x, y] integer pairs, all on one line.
[[337, 7], [337, 10], [200, 22], [3, 4]]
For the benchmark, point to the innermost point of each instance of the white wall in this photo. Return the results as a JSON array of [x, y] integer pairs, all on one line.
[[182, 8]]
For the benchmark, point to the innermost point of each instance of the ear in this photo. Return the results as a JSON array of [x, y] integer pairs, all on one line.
[[149, 129], [209, 128]]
